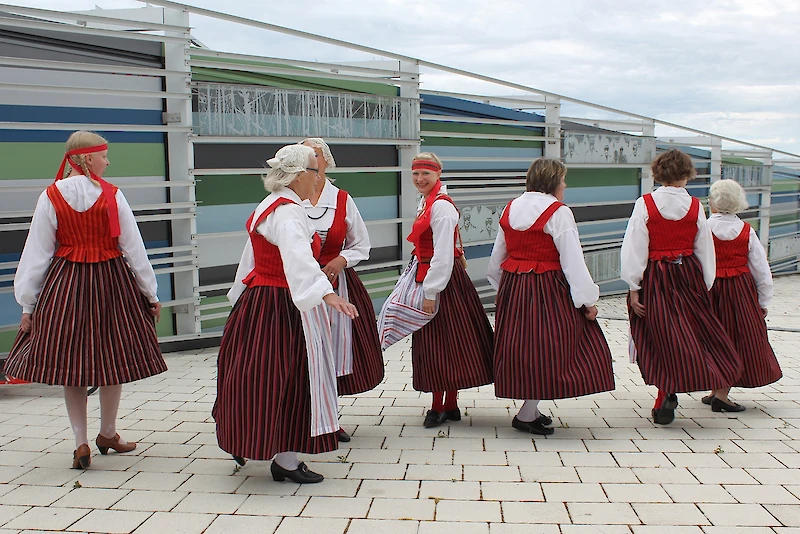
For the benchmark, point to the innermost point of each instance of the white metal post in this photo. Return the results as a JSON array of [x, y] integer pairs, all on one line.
[[716, 159], [406, 154], [552, 147], [180, 159], [646, 182], [765, 201]]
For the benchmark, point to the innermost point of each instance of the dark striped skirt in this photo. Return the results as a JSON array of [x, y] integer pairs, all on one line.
[[454, 350], [544, 347], [367, 355], [263, 404], [680, 344], [91, 327], [735, 302]]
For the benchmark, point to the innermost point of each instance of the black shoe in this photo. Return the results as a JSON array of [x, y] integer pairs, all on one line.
[[666, 414], [722, 406], [454, 415], [343, 436], [707, 400], [434, 418], [301, 475], [543, 420], [534, 427], [239, 460]]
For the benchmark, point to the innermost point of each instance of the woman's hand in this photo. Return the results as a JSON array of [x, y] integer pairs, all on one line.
[[764, 313], [429, 306], [334, 267], [26, 322], [155, 310], [590, 312], [636, 306], [339, 304]]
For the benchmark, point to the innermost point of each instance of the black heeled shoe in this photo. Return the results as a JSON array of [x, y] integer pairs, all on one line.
[[666, 413], [342, 436], [240, 460], [722, 406], [454, 415], [533, 427], [707, 400], [434, 418], [301, 475], [544, 420]]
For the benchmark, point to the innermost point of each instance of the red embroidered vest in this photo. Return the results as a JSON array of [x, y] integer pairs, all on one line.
[[83, 237], [670, 240], [732, 254], [268, 270], [531, 249], [423, 246], [337, 233]]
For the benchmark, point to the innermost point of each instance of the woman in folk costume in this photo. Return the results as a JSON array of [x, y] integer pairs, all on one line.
[[436, 301], [276, 382], [741, 293], [345, 243], [87, 315], [548, 344], [668, 263]]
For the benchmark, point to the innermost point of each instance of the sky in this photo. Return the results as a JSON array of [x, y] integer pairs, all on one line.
[[718, 66]]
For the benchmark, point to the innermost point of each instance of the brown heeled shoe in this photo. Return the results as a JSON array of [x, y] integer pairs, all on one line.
[[104, 443], [82, 457]]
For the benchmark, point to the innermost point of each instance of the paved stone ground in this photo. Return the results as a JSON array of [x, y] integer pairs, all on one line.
[[607, 469]]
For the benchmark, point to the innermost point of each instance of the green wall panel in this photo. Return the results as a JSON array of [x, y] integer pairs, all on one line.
[[602, 177], [41, 160]]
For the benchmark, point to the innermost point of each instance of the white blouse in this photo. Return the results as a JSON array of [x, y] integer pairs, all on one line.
[[291, 231], [673, 203], [727, 226], [444, 220], [40, 246], [561, 226], [356, 244]]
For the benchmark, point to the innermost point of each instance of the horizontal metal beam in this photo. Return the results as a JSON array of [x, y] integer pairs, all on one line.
[[260, 140], [499, 137], [46, 64], [82, 30], [497, 122], [259, 171], [19, 87], [86, 17]]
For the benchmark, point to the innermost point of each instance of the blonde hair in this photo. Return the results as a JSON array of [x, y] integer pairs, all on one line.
[[545, 175], [428, 156], [82, 139], [727, 196], [287, 164]]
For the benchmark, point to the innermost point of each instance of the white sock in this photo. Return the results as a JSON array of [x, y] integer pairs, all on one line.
[[109, 406], [287, 460], [529, 411], [75, 399]]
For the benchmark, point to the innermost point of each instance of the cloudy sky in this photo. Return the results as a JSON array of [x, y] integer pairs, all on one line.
[[719, 66]]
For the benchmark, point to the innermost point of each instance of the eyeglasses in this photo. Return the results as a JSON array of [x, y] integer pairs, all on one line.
[[315, 171]]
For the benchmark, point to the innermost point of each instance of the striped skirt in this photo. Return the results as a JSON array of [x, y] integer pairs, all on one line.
[[544, 347], [91, 327], [263, 404], [680, 344], [367, 356], [735, 301], [454, 350]]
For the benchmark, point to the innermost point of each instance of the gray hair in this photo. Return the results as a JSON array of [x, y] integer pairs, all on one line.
[[727, 196], [318, 142], [288, 162]]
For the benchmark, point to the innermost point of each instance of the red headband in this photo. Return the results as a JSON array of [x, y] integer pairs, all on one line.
[[108, 190], [425, 164]]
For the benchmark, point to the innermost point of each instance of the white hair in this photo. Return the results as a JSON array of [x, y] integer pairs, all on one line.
[[727, 196], [288, 162], [318, 142]]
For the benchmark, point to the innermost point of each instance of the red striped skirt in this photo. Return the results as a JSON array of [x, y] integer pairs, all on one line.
[[735, 301], [91, 327], [263, 404], [680, 344], [454, 350], [367, 355], [544, 347]]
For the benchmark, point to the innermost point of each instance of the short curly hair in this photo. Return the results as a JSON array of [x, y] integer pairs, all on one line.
[[672, 166], [727, 196], [545, 175]]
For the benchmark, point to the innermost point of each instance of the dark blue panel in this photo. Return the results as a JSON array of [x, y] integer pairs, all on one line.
[[478, 251], [446, 105]]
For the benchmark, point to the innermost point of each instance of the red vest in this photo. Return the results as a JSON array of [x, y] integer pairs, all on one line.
[[268, 269], [423, 246], [732, 254], [531, 249], [670, 240], [83, 237], [337, 233]]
